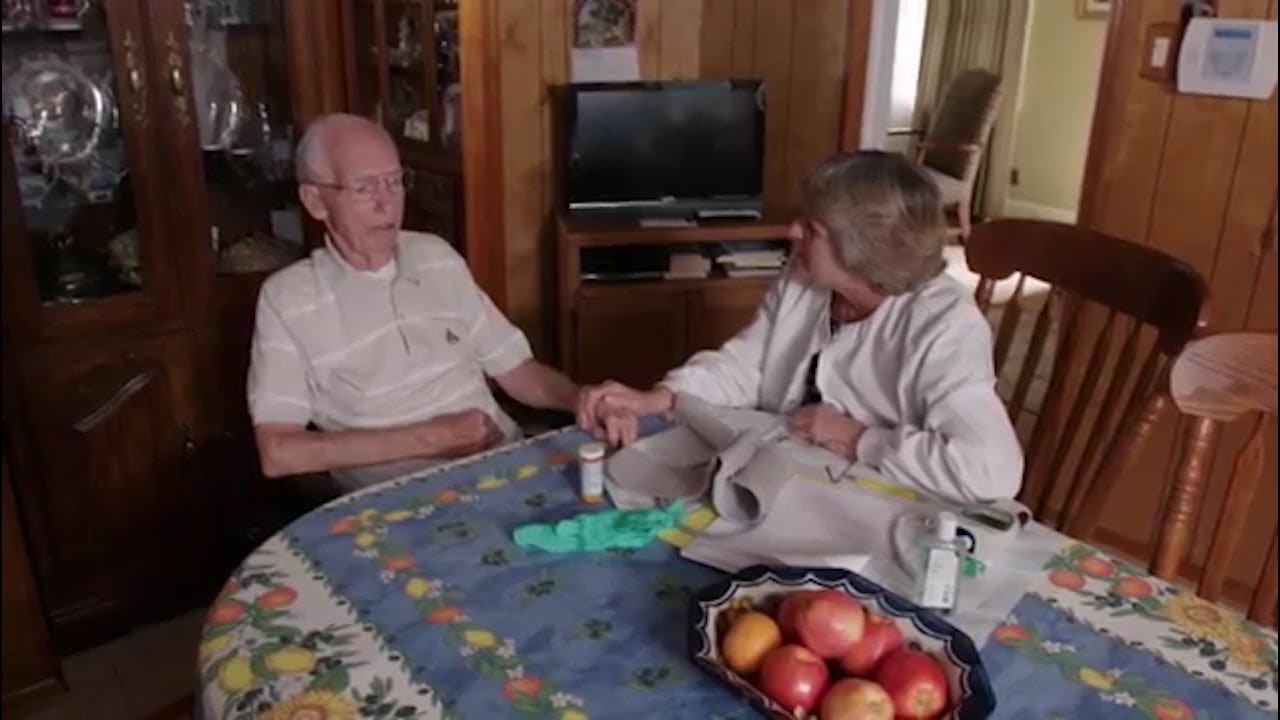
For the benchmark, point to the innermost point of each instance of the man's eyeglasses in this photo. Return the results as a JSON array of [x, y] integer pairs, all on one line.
[[366, 190]]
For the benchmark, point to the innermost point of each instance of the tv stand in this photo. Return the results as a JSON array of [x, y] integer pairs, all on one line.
[[636, 331]]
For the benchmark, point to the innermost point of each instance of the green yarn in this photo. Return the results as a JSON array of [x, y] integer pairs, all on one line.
[[599, 531]]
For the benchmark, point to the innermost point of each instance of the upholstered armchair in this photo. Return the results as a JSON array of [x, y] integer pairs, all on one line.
[[951, 151]]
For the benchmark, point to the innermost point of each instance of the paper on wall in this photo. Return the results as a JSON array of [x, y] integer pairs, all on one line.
[[605, 64]]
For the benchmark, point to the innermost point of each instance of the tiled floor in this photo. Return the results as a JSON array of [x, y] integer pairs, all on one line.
[[127, 679]]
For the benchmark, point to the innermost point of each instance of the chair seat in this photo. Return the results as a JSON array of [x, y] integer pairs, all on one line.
[[953, 190]]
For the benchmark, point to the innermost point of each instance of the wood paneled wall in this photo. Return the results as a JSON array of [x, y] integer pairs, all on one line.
[[1196, 177], [797, 46]]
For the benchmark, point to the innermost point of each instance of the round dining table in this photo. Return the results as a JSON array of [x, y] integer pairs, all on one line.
[[411, 600]]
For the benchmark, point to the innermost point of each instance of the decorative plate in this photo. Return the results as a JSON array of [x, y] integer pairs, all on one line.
[[57, 109], [759, 586]]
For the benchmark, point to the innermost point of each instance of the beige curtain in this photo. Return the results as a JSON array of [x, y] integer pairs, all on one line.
[[961, 35]]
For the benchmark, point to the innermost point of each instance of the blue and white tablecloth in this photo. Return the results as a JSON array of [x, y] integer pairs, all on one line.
[[411, 601]]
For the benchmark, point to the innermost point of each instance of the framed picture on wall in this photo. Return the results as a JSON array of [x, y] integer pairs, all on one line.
[[604, 23], [1093, 8]]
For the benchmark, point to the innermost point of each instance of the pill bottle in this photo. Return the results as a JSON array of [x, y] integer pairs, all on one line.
[[591, 472]]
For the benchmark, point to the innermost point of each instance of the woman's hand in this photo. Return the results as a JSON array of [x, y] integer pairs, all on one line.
[[823, 425], [611, 410]]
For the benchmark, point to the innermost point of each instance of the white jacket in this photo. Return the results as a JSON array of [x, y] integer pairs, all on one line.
[[918, 372]]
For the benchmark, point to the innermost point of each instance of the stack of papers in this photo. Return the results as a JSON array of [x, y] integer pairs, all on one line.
[[687, 265], [749, 263]]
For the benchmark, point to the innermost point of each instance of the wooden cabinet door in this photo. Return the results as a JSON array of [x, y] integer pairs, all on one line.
[[30, 665], [124, 515], [718, 312], [631, 337]]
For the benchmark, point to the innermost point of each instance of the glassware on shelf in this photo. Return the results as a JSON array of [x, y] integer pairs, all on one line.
[[407, 50], [246, 133], [73, 274], [17, 14], [63, 14], [446, 33], [67, 148], [56, 109], [219, 98], [451, 104]]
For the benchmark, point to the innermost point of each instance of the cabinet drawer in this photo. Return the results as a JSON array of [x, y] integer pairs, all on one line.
[[607, 335], [719, 312]]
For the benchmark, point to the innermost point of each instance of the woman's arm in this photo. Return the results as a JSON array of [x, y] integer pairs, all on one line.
[[967, 449]]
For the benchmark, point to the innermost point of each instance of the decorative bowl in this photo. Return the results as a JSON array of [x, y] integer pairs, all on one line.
[[763, 588]]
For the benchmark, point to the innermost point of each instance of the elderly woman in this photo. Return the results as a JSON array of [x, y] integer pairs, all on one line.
[[867, 345]]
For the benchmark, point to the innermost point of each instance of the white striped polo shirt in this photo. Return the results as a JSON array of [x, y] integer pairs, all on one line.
[[349, 350]]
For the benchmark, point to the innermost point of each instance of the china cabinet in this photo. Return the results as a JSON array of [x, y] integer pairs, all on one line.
[[147, 193]]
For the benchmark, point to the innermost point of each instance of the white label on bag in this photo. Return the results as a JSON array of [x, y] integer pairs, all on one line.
[[941, 569]]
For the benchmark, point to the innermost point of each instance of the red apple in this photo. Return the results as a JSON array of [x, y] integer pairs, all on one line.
[[787, 613], [794, 678], [916, 683], [854, 699], [880, 636], [829, 623]]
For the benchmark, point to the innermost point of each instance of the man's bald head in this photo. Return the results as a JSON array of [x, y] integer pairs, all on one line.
[[350, 179], [319, 152]]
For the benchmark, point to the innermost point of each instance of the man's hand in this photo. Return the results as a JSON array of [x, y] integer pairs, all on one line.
[[462, 433], [823, 425], [611, 410]]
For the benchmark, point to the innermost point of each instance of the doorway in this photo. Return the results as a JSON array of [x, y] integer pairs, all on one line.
[[1048, 55]]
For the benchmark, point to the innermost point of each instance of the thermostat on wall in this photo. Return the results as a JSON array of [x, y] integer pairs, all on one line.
[[1232, 58]]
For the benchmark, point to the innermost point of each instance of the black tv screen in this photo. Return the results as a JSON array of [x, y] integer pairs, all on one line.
[[695, 144]]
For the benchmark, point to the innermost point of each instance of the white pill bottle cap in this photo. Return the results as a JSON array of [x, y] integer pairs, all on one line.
[[945, 527]]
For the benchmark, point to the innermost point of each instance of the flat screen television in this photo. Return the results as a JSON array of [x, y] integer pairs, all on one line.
[[665, 149]]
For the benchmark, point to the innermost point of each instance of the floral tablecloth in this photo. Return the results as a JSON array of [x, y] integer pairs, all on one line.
[[411, 601]]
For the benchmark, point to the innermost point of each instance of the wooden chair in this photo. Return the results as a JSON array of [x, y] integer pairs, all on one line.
[[1216, 380], [1152, 303]]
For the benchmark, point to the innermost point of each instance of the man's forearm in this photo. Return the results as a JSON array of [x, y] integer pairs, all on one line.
[[536, 385], [298, 451]]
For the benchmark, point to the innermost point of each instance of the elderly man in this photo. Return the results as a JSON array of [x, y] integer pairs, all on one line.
[[381, 338]]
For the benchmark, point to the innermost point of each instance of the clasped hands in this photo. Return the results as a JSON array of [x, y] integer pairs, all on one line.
[[611, 412]]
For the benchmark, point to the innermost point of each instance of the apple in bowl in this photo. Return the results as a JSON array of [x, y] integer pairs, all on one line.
[[794, 677], [829, 623], [880, 637], [856, 699], [915, 682]]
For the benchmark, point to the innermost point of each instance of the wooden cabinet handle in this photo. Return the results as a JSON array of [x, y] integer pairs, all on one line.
[[137, 80], [177, 82], [131, 387]]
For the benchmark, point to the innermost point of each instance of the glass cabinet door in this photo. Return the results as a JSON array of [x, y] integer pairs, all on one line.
[[240, 92], [403, 69], [77, 201]]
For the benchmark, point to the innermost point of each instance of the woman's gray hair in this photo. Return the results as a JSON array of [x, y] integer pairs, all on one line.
[[884, 216]]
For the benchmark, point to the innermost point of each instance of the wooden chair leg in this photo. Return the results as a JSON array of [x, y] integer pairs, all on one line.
[[1263, 606], [965, 214], [1179, 525], [1235, 507]]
